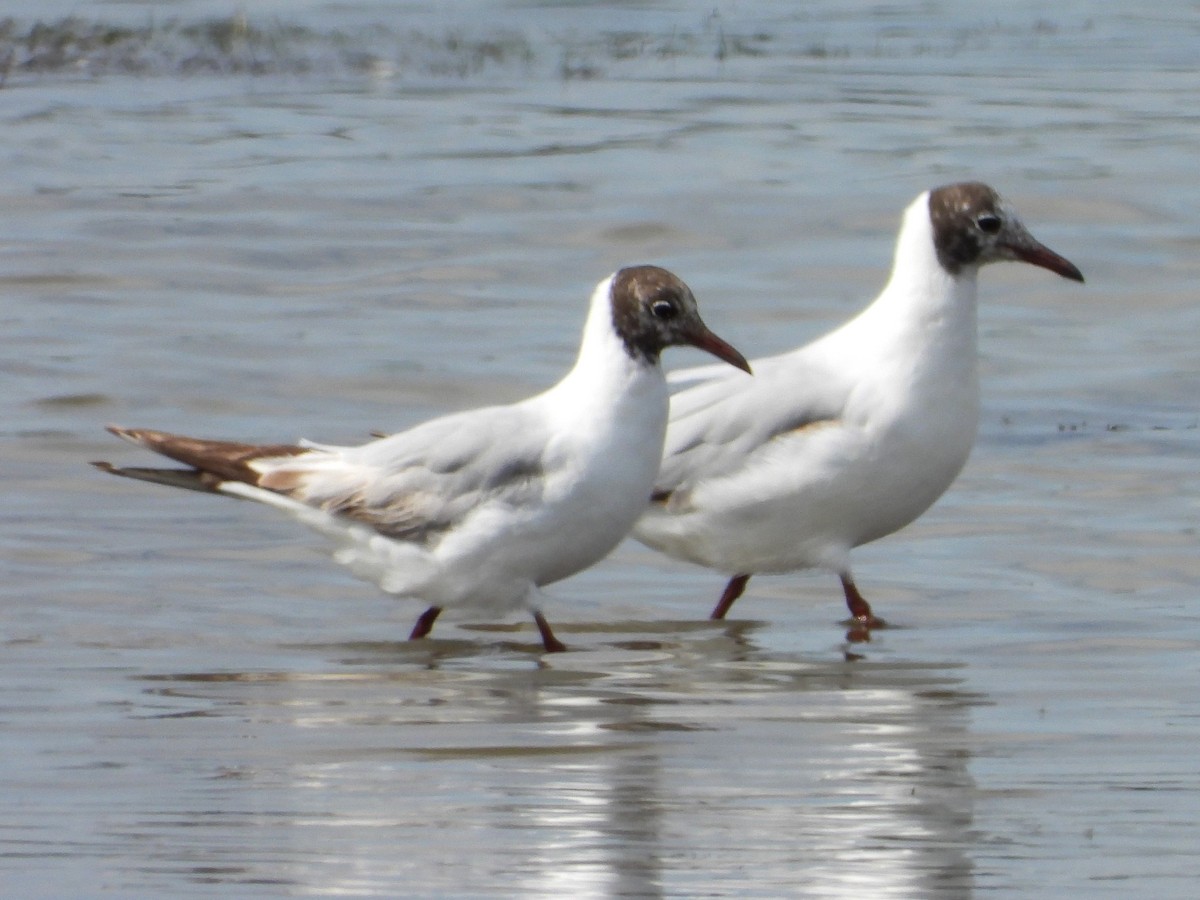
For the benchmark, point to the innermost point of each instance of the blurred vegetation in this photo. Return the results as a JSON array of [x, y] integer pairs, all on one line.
[[235, 45]]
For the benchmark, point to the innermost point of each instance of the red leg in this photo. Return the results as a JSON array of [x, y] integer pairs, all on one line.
[[425, 623], [549, 641], [859, 608], [733, 590], [862, 619]]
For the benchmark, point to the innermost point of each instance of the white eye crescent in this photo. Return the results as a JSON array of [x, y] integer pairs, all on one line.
[[988, 223], [664, 309]]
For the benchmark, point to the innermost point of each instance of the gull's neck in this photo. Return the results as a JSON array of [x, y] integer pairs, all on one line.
[[921, 330], [604, 367], [920, 291]]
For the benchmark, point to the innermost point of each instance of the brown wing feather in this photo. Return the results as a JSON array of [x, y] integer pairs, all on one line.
[[228, 460]]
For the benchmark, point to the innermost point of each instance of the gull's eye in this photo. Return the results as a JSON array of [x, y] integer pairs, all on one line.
[[664, 310], [988, 223]]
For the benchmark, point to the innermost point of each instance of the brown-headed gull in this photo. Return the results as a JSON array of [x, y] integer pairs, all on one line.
[[852, 436], [481, 508]]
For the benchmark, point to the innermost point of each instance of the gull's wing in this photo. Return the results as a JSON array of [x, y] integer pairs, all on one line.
[[413, 486], [418, 484], [718, 427]]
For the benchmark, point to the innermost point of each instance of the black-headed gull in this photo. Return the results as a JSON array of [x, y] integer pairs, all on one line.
[[481, 508], [852, 436]]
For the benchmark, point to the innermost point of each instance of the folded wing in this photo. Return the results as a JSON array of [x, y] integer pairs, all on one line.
[[413, 486]]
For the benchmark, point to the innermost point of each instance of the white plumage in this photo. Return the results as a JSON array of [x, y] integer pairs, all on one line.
[[852, 436], [481, 508]]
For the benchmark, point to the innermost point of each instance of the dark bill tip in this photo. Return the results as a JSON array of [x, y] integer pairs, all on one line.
[[710, 343], [1041, 255]]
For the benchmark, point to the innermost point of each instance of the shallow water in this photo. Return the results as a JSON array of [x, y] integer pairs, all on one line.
[[364, 214]]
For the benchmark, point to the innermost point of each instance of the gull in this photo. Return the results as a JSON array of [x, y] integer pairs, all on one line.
[[482, 508], [850, 437]]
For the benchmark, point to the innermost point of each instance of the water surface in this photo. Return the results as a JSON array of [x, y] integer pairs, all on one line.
[[327, 219]]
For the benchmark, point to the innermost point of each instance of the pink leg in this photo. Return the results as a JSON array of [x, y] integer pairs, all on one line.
[[733, 590], [549, 641], [425, 623]]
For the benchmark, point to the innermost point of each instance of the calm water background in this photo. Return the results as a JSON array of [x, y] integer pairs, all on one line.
[[329, 218]]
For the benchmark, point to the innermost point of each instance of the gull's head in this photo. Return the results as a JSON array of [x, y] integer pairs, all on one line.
[[653, 309], [973, 226]]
